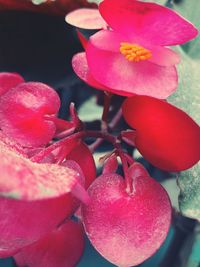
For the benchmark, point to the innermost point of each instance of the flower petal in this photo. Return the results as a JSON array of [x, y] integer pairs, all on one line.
[[26, 180], [152, 22], [80, 66], [110, 41], [164, 56], [9, 80], [86, 163], [86, 18], [26, 111], [24, 222], [62, 247], [128, 78]]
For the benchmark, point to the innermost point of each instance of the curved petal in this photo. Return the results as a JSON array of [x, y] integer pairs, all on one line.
[[86, 163], [152, 22], [25, 113], [24, 222], [62, 247], [80, 67], [86, 18], [110, 41], [129, 78], [9, 80], [164, 56], [26, 180]]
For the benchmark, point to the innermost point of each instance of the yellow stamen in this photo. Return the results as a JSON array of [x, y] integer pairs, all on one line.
[[134, 52]]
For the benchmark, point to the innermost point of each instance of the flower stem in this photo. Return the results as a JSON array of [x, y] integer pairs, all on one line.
[[106, 108]]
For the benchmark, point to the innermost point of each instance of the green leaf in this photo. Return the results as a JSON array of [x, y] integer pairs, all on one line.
[[189, 198], [190, 10], [187, 95]]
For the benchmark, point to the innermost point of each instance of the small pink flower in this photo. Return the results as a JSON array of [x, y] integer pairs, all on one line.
[[131, 56]]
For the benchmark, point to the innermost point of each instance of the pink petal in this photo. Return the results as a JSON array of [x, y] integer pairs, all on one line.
[[26, 180], [110, 41], [9, 80], [80, 66], [111, 165], [129, 78], [78, 190], [164, 56], [60, 248], [24, 112], [152, 22], [86, 163], [22, 222], [86, 18], [12, 145], [125, 228]]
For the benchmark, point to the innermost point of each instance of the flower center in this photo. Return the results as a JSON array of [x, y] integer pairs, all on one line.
[[134, 52]]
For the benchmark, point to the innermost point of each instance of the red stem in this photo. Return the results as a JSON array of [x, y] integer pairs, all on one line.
[[96, 134], [104, 118]]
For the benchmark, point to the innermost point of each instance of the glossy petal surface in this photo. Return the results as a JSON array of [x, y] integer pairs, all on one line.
[[62, 247], [165, 135]]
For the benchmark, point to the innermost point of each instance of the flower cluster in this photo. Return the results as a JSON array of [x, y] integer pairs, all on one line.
[[40, 183], [48, 171]]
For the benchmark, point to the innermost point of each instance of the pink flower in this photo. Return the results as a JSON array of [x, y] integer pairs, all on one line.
[[35, 204], [131, 56]]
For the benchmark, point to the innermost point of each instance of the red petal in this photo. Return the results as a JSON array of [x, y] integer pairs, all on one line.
[[78, 190], [8, 81], [111, 165], [60, 248], [86, 162], [23, 179], [165, 135], [151, 22], [23, 110], [82, 39], [22, 223]]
